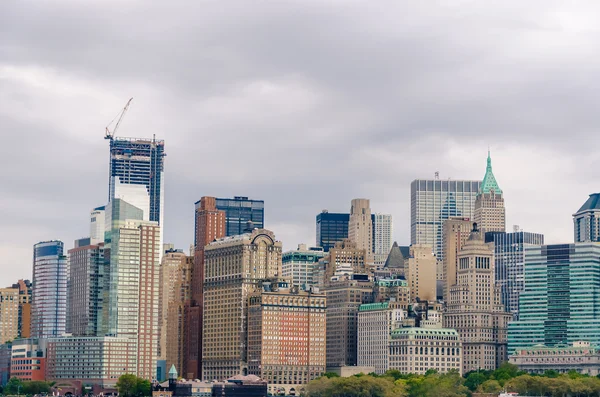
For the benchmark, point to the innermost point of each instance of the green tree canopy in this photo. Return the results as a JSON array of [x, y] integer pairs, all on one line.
[[130, 385]]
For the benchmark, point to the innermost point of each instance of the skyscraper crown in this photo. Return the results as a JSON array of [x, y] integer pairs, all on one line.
[[489, 180]]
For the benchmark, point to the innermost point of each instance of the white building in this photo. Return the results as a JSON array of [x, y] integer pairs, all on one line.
[[383, 238], [97, 225], [298, 265]]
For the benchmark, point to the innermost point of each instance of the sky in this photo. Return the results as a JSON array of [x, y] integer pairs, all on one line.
[[304, 104]]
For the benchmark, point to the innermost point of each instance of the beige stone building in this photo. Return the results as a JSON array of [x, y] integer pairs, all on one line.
[[421, 272], [474, 307], [286, 335], [393, 290], [234, 266], [360, 227], [9, 314], [455, 233], [489, 213], [343, 260]]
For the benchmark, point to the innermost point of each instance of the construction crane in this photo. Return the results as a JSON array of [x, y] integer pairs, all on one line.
[[109, 133]]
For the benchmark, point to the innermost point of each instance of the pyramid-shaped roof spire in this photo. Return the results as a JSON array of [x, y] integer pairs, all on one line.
[[173, 372], [489, 180], [395, 258]]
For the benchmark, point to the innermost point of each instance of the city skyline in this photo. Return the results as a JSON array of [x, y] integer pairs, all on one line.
[[373, 126]]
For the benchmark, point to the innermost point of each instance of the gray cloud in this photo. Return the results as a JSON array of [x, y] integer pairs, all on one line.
[[305, 104]]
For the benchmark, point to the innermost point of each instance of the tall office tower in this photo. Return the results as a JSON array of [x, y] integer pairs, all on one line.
[[344, 298], [286, 335], [455, 233], [383, 238], [489, 205], [170, 274], [9, 314], [176, 315], [474, 309], [331, 228], [233, 267], [137, 175], [210, 225], [97, 224], [360, 227], [509, 254], [421, 273], [298, 265], [49, 292], [24, 287], [586, 220], [434, 201], [239, 211], [561, 300], [134, 248], [85, 288]]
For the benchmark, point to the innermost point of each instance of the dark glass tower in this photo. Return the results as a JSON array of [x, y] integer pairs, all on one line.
[[239, 211], [333, 227]]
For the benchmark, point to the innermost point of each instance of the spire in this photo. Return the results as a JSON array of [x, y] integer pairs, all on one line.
[[489, 180], [173, 372]]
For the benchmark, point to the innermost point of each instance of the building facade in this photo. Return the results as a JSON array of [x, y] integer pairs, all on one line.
[[85, 289], [170, 273], [394, 291], [28, 359], [586, 220], [331, 228], [210, 224], [561, 299], [434, 201], [298, 266], [25, 293], [383, 227], [474, 308], [286, 335], [582, 357], [489, 211], [455, 233], [421, 273], [97, 224], [49, 292], [360, 227], [509, 255], [233, 268], [9, 314], [239, 211], [415, 350]]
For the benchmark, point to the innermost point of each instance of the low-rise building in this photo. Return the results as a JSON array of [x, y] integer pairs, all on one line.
[[240, 386], [582, 357], [416, 350], [28, 359]]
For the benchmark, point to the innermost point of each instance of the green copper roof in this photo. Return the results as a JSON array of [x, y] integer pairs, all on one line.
[[489, 180], [173, 371], [373, 306]]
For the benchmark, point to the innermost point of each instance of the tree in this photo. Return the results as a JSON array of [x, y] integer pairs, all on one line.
[[490, 386], [354, 386], [474, 379], [127, 385], [331, 375], [143, 387], [13, 386], [36, 387]]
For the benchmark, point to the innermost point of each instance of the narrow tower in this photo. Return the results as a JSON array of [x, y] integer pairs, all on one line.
[[489, 204]]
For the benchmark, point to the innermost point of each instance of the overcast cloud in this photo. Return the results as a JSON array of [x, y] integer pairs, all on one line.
[[305, 104]]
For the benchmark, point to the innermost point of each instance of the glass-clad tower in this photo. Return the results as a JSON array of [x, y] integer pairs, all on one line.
[[561, 299], [434, 201], [49, 293], [239, 211]]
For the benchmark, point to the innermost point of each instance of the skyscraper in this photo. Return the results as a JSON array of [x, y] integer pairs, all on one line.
[[298, 265], [24, 287], [9, 314], [434, 201], [474, 307], [97, 224], [586, 220], [49, 293], [383, 238], [360, 227], [331, 228], [211, 224], [489, 205], [233, 268], [561, 300], [455, 233], [421, 273], [510, 259], [239, 211]]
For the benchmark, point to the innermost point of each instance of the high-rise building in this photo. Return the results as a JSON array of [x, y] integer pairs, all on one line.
[[344, 259], [561, 300], [239, 211], [97, 224], [474, 307], [210, 225], [421, 273], [455, 233], [9, 314], [286, 335], [360, 227], [49, 293], [344, 298], [383, 227], [298, 265], [331, 228], [434, 201], [489, 211], [137, 175], [170, 272], [233, 268], [176, 315], [586, 220], [24, 287], [85, 289], [509, 254]]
